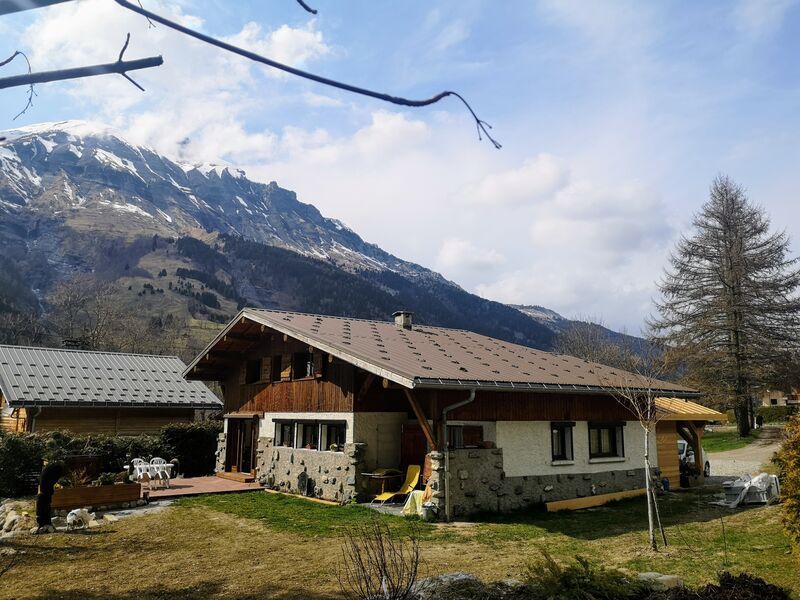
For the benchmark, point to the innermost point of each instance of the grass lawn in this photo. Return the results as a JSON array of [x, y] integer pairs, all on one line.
[[720, 441], [260, 545]]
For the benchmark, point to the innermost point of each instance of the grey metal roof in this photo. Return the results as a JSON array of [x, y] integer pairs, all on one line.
[[55, 377], [438, 357]]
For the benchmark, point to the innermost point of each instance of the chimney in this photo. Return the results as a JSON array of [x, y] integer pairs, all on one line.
[[402, 319]]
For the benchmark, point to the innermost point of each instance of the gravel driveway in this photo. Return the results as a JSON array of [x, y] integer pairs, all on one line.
[[747, 460]]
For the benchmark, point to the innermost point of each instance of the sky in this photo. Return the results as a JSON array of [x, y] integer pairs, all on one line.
[[614, 119]]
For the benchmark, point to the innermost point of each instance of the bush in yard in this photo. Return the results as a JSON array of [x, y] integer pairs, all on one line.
[[731, 587], [775, 414], [580, 580], [20, 463], [788, 461], [193, 444]]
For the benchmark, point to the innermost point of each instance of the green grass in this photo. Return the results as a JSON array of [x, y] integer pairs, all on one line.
[[703, 538], [295, 515], [720, 441]]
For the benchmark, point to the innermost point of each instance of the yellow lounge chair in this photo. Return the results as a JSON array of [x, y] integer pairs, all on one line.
[[412, 478]]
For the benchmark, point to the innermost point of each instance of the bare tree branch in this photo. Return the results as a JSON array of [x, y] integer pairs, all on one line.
[[120, 67], [11, 6], [306, 7], [482, 126], [31, 91]]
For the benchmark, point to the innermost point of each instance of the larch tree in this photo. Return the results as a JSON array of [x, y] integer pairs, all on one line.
[[729, 309]]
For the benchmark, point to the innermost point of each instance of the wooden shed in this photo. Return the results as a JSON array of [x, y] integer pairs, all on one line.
[[48, 389], [680, 419]]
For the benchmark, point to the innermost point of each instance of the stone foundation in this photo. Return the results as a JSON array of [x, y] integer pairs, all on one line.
[[220, 453], [331, 476], [478, 483]]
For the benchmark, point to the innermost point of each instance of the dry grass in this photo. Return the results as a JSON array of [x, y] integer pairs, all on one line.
[[212, 548]]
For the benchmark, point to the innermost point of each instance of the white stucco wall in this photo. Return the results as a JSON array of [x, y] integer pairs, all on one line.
[[267, 428], [527, 451]]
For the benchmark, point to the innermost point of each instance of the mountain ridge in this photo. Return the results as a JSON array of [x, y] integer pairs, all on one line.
[[76, 197]]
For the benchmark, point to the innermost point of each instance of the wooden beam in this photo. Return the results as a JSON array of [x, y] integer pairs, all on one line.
[[365, 386], [423, 422]]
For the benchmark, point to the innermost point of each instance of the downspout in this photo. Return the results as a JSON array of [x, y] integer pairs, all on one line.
[[32, 419], [446, 410]]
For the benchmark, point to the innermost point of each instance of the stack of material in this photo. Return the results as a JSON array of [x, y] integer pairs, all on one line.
[[761, 489]]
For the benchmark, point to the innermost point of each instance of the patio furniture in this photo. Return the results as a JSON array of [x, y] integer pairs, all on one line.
[[383, 475], [412, 478]]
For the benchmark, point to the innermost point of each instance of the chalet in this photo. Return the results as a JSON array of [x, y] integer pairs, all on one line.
[[317, 405], [47, 389]]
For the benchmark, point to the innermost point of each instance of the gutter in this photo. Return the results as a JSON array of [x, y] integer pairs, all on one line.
[[446, 410]]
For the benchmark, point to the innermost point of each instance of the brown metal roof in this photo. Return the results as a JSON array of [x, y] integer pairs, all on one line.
[[437, 357]]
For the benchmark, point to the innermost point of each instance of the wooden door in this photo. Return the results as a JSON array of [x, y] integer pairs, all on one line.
[[413, 446], [240, 450]]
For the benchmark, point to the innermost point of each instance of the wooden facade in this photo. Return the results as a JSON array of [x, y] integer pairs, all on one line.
[[15, 420], [667, 448], [111, 421]]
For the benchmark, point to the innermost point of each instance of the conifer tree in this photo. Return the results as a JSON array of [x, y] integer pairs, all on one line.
[[729, 308]]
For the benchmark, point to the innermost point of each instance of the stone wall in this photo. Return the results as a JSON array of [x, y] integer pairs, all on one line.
[[478, 483], [220, 453], [328, 475]]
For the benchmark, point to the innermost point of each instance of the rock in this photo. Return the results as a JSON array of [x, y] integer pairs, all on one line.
[[43, 529], [110, 518], [667, 582], [94, 524], [649, 576], [459, 586], [10, 521], [6, 551]]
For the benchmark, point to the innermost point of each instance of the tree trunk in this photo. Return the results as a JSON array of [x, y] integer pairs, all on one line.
[[651, 528]]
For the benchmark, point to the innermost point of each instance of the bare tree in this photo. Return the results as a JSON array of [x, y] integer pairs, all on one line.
[[85, 310], [377, 563], [22, 329], [122, 67], [589, 339], [637, 391], [729, 308]]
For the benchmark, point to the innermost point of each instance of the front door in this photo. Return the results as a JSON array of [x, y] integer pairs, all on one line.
[[241, 445]]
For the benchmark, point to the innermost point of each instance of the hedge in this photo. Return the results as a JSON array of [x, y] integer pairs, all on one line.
[[788, 461], [775, 414], [23, 454]]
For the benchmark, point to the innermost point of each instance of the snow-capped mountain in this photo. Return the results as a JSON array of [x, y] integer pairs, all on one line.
[[74, 166]]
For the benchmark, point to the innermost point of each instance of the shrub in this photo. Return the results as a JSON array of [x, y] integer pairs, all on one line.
[[193, 444], [377, 563], [20, 463], [580, 580], [788, 462], [775, 414], [731, 587]]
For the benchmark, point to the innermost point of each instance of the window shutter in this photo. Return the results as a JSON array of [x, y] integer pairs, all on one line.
[[568, 442], [620, 441]]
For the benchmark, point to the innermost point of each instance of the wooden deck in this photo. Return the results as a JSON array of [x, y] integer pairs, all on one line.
[[196, 486]]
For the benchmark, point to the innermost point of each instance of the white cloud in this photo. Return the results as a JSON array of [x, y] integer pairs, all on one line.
[[458, 256], [538, 178], [197, 103], [759, 18]]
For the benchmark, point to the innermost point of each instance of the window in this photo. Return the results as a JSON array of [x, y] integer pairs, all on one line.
[[464, 436], [606, 440], [284, 434], [275, 368], [773, 401], [311, 435], [302, 365], [561, 440], [333, 437], [308, 435], [252, 373]]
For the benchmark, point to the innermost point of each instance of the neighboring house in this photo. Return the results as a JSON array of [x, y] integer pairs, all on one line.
[[47, 389], [780, 398], [313, 404]]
